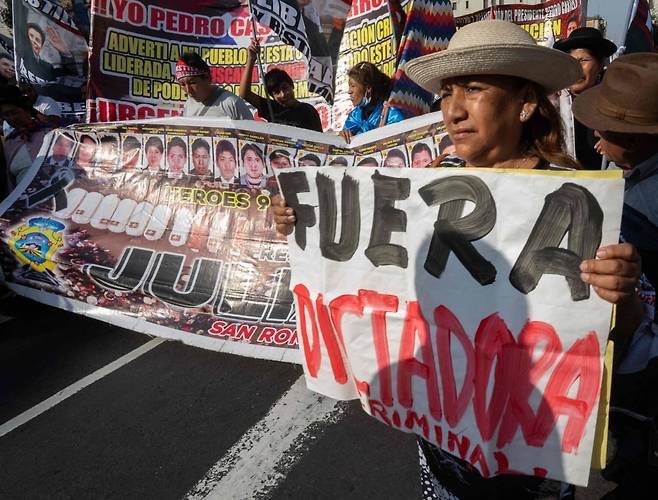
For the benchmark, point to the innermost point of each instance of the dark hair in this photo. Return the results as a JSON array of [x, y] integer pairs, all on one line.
[[368, 75], [252, 147], [86, 136], [200, 143], [130, 143], [275, 78], [311, 157], [278, 153], [38, 29], [196, 61], [4, 55], [110, 139], [542, 134], [177, 142], [154, 142], [396, 153], [419, 147], [339, 160], [573, 19], [225, 146], [368, 159], [445, 142]]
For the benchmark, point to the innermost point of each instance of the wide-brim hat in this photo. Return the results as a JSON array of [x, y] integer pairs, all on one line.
[[587, 38], [495, 47], [626, 101]]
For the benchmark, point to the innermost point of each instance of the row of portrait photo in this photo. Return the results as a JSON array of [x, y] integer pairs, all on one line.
[[225, 159]]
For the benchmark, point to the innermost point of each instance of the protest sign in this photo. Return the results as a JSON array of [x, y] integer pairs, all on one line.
[[134, 50], [559, 16], [302, 24], [51, 54], [449, 301]]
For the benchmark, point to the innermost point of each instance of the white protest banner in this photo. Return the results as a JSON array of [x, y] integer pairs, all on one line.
[[449, 302]]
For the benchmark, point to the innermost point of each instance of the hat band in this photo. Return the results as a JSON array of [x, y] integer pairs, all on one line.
[[626, 115]]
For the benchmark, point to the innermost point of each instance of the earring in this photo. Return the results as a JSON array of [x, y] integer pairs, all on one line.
[[524, 115]]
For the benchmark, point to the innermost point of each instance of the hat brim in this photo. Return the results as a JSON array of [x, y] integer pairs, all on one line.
[[601, 46], [586, 111], [552, 69]]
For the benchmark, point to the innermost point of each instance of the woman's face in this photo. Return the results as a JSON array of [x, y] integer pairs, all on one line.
[[226, 162], [86, 150], [35, 40], [356, 91], [482, 116], [253, 164], [153, 157], [591, 67]]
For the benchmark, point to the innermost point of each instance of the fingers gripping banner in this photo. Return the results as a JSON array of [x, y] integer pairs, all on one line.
[[424, 293]]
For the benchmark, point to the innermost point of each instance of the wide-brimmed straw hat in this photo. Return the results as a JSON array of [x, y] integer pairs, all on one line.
[[587, 38], [495, 47], [626, 101]]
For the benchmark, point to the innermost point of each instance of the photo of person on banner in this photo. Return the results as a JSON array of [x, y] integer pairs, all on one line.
[[396, 158], [34, 67], [154, 149], [253, 170], [176, 157], [84, 156], [421, 154], [368, 161], [201, 158], [279, 85], [60, 152], [309, 159], [7, 71], [107, 155], [494, 99], [130, 151], [339, 161], [226, 161], [279, 158]]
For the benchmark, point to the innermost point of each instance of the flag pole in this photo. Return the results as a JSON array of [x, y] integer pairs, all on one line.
[[261, 73]]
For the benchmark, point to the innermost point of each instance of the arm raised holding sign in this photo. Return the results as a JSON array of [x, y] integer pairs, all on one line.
[[496, 111]]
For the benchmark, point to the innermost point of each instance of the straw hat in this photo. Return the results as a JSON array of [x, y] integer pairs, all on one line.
[[495, 47], [626, 101]]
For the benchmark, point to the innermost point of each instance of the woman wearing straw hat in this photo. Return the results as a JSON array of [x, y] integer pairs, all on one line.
[[494, 85], [591, 50]]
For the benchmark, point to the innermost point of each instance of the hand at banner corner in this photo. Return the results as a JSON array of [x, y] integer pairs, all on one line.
[[284, 216], [614, 274], [346, 134]]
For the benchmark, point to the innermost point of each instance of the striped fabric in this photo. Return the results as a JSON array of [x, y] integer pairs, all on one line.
[[429, 26], [639, 37]]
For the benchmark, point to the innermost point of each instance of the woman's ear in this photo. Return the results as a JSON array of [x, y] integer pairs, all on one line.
[[529, 104]]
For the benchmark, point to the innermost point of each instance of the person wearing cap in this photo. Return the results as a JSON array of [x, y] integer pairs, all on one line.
[[623, 111], [590, 49], [494, 98], [204, 98]]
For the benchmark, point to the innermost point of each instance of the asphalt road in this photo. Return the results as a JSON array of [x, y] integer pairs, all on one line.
[[179, 422]]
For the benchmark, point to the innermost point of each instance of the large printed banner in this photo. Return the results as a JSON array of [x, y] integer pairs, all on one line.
[[559, 16], [51, 53], [165, 226], [135, 46], [369, 37], [449, 302]]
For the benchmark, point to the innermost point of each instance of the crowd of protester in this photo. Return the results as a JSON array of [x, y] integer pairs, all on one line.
[[502, 109]]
